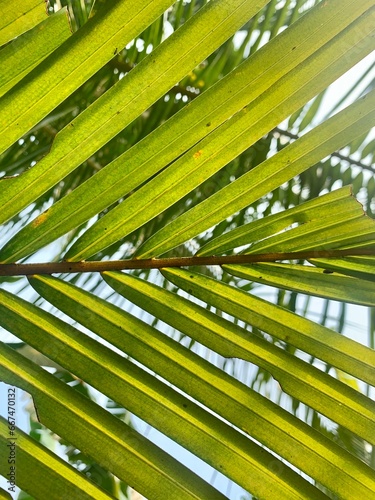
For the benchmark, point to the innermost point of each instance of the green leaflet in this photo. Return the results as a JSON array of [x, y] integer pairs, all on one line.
[[339, 202], [180, 132], [68, 67], [224, 144], [209, 412], [19, 57], [317, 340], [50, 474], [4, 495], [332, 231], [297, 378], [311, 112], [272, 426], [306, 279], [290, 161], [320, 235], [358, 267], [143, 394], [112, 443], [126, 100], [329, 222], [16, 19]]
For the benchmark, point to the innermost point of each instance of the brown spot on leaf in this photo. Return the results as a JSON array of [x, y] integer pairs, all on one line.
[[40, 219], [197, 154]]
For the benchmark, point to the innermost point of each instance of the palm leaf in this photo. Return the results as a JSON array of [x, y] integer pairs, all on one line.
[[57, 475], [122, 162], [14, 23]]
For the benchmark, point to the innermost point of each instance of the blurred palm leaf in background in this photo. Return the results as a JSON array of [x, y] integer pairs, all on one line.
[[133, 130]]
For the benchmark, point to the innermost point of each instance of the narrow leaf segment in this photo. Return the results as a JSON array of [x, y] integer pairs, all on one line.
[[16, 19], [226, 143], [50, 474], [101, 435], [274, 427], [298, 378]]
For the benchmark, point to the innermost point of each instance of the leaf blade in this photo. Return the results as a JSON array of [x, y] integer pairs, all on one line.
[[234, 342], [172, 413], [274, 427], [72, 64], [57, 475], [289, 162], [177, 135], [27, 51], [15, 21], [123, 102], [94, 431], [309, 280], [211, 154]]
